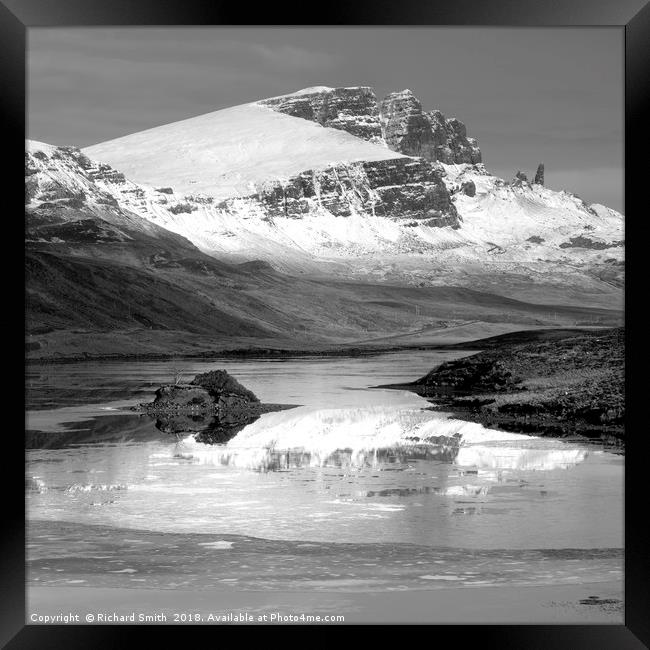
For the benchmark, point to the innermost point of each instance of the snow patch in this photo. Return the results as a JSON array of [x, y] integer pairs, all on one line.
[[227, 153]]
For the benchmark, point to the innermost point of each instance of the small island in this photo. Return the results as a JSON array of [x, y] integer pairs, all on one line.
[[214, 406]]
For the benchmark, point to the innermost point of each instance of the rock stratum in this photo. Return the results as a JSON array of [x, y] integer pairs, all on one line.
[[402, 190], [354, 110]]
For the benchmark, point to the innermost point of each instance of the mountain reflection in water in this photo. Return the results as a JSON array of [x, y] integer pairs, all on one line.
[[372, 436]]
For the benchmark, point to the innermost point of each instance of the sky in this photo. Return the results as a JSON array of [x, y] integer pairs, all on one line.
[[528, 95]]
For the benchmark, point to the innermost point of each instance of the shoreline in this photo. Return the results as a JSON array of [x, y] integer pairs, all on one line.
[[343, 350], [568, 387], [245, 353], [585, 603], [469, 403], [528, 427], [449, 405]]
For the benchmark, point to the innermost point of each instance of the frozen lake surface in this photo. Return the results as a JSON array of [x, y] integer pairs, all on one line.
[[357, 489]]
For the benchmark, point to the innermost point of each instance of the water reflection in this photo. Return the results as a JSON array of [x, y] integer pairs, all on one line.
[[528, 454], [208, 429], [107, 429], [270, 460], [373, 437], [350, 465]]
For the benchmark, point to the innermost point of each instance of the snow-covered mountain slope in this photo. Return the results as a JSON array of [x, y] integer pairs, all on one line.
[[521, 221], [253, 182], [242, 228], [229, 152], [65, 201], [513, 226]]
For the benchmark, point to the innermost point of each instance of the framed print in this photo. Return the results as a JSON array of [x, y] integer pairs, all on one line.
[[328, 324]]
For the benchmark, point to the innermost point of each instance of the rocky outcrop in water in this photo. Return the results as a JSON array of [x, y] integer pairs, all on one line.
[[212, 392], [401, 189], [539, 175], [412, 132], [350, 109], [214, 405]]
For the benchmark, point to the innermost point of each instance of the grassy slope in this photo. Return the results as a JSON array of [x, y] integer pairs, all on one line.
[[94, 306], [96, 295]]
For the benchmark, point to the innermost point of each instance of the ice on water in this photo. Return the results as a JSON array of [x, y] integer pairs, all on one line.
[[364, 435]]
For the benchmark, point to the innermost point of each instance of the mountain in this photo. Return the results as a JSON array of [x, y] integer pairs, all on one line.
[[309, 220], [331, 180], [104, 277]]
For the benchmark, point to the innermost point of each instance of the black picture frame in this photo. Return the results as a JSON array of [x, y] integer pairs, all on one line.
[[632, 16]]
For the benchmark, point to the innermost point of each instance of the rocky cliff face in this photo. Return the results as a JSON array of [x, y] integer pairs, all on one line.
[[63, 177], [63, 203], [452, 143], [398, 121], [350, 109], [402, 189], [410, 131], [405, 128]]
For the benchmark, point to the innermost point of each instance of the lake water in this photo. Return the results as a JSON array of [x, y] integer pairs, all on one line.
[[356, 490]]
